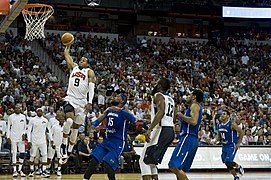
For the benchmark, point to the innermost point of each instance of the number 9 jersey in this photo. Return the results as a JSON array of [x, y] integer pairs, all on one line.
[[78, 84]]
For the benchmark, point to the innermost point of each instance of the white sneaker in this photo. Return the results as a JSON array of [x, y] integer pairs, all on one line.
[[45, 175], [58, 173], [31, 174], [15, 174], [22, 174], [38, 172]]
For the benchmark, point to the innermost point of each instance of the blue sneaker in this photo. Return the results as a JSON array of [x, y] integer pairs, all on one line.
[[236, 178], [241, 170]]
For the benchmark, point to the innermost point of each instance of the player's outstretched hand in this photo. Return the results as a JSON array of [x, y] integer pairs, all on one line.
[[67, 49]]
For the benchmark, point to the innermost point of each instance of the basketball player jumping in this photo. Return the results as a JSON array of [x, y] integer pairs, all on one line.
[[161, 133], [227, 134], [185, 151], [78, 101]]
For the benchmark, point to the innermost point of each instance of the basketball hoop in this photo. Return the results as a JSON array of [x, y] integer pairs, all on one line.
[[35, 16]]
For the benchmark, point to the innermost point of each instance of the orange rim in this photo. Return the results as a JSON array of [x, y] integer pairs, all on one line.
[[28, 6]]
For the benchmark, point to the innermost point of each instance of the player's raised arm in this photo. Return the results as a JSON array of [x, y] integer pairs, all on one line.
[[68, 58]]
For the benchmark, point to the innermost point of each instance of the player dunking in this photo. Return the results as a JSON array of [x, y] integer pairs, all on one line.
[[78, 100], [161, 133], [185, 151], [227, 135], [109, 151]]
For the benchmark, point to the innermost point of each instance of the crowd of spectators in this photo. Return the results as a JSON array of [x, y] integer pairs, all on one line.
[[232, 75]]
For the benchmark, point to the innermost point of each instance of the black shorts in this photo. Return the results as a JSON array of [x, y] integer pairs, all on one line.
[[155, 153], [67, 107]]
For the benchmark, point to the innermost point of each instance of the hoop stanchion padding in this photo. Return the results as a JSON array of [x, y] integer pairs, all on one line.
[[35, 16]]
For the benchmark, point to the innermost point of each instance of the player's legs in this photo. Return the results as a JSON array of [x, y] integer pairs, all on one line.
[[58, 165], [228, 155], [182, 156], [51, 154], [21, 148], [69, 113], [33, 154], [93, 162], [43, 153], [109, 171], [149, 171], [14, 157]]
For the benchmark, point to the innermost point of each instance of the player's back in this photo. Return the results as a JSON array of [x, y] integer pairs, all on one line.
[[78, 83], [188, 129], [228, 136], [167, 119]]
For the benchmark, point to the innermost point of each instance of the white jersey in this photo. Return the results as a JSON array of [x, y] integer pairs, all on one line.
[[16, 127], [37, 130], [53, 121], [78, 86], [168, 117], [57, 134]]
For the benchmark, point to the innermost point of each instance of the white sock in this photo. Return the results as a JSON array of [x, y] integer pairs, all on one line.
[[43, 168], [20, 167], [32, 167], [14, 168], [59, 168]]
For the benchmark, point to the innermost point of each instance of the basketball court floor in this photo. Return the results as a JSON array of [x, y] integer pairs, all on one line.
[[162, 176]]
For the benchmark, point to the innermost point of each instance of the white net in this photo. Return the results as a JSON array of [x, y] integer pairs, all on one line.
[[35, 16]]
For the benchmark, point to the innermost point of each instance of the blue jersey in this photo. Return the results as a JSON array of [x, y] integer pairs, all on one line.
[[187, 129], [117, 123], [228, 136]]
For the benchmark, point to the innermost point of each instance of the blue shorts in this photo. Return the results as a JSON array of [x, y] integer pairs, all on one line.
[[184, 153], [228, 153], [109, 151]]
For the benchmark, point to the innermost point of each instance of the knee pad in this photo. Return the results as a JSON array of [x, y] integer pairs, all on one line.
[[230, 165], [22, 155], [67, 126]]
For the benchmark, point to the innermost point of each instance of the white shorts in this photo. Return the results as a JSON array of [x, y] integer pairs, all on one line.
[[149, 169], [51, 152], [78, 106], [41, 147]]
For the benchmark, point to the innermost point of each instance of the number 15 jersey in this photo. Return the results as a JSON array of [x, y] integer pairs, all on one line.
[[78, 83]]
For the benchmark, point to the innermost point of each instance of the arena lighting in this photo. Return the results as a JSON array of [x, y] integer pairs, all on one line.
[[246, 12], [92, 3]]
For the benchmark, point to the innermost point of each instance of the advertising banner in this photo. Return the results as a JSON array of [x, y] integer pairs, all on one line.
[[210, 157]]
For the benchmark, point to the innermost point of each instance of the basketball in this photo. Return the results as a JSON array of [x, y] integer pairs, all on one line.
[[67, 39]]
